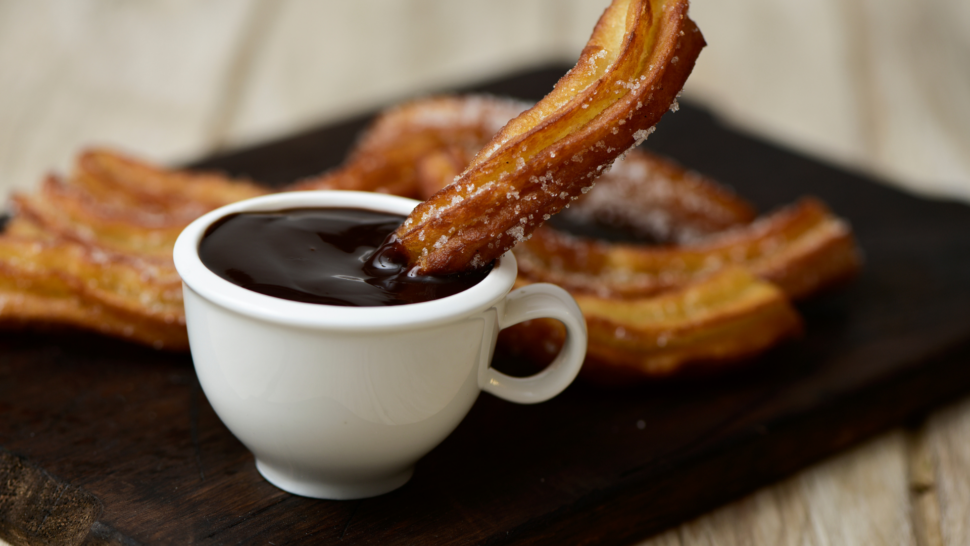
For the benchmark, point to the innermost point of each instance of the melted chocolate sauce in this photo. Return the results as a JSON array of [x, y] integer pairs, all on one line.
[[327, 256]]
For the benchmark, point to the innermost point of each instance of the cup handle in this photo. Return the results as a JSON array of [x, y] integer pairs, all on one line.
[[531, 302]]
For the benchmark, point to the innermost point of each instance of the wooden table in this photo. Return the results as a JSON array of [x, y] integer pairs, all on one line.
[[909, 486]]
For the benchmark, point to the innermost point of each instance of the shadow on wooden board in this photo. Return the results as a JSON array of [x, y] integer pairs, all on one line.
[[140, 457]]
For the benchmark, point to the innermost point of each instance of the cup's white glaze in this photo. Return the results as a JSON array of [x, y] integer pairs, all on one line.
[[341, 402]]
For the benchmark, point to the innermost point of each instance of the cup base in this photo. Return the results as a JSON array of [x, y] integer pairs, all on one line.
[[331, 490]]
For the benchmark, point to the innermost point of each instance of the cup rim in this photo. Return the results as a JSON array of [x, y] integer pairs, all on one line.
[[196, 276]]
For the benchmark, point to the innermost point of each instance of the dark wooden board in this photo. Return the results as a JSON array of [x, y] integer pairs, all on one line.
[[122, 439]]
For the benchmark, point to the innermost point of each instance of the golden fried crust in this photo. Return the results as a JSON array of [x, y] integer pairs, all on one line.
[[124, 205], [95, 251], [72, 215], [67, 284], [728, 316], [723, 318], [388, 157], [658, 200], [635, 64], [114, 180], [645, 194], [802, 248], [440, 168]]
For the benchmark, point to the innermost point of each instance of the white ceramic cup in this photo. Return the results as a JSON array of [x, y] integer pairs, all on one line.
[[341, 402]]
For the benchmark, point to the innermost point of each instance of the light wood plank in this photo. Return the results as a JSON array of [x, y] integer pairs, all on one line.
[[782, 72], [330, 60], [144, 76], [948, 438], [879, 85], [924, 497], [858, 498]]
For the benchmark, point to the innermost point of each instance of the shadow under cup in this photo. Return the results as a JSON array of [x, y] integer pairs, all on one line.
[[341, 402]]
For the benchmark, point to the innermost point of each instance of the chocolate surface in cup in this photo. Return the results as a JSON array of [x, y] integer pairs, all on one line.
[[321, 255]]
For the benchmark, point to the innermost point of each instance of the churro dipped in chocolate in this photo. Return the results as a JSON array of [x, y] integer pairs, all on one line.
[[629, 74]]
